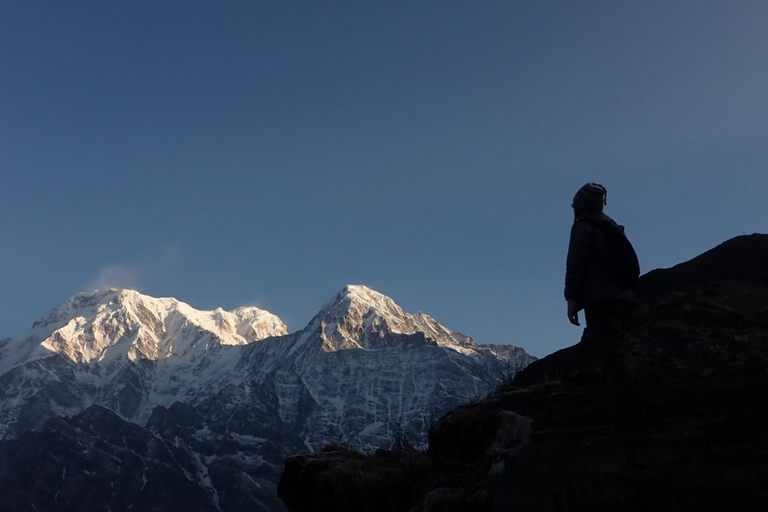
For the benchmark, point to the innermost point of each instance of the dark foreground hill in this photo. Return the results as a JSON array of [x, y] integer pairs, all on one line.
[[690, 434]]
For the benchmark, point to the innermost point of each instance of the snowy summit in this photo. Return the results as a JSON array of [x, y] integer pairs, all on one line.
[[108, 325], [359, 317]]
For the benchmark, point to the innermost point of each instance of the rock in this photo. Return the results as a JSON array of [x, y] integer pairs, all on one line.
[[338, 480]]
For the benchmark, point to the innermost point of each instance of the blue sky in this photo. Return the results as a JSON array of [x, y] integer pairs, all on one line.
[[268, 153]]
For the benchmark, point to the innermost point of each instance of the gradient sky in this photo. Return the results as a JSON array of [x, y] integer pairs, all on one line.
[[268, 153]]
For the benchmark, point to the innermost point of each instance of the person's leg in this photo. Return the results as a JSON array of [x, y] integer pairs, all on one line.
[[604, 338]]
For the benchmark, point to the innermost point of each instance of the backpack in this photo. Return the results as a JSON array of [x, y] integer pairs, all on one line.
[[618, 257]]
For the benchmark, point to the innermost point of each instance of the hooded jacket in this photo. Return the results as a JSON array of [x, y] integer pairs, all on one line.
[[586, 283]]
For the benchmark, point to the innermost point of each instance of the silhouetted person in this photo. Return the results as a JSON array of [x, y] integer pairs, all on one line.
[[600, 279]]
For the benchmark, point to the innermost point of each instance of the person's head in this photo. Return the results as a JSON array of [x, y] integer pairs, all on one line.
[[590, 198]]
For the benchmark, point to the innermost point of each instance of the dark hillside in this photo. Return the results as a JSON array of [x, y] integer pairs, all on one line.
[[690, 434], [744, 258]]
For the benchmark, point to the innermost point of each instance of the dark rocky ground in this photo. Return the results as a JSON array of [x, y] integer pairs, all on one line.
[[689, 433]]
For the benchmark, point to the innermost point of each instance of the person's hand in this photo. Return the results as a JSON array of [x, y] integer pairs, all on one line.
[[573, 312]]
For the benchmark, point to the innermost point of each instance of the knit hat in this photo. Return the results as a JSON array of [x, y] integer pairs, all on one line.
[[590, 198]]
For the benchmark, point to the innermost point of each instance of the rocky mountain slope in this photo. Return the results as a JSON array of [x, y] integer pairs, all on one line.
[[118, 387], [690, 433]]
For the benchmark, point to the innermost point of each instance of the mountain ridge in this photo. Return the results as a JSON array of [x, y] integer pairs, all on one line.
[[230, 408]]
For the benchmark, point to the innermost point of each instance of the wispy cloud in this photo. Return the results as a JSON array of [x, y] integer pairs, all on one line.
[[255, 303], [115, 276], [135, 274]]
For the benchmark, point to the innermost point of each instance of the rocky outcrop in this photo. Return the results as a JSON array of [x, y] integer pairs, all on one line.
[[689, 433], [384, 481]]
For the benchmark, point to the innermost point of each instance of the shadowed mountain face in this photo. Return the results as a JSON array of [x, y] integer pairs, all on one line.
[[691, 433], [97, 461]]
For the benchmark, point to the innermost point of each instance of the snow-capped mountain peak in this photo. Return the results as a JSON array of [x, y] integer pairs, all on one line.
[[363, 295], [356, 302], [107, 325], [360, 317]]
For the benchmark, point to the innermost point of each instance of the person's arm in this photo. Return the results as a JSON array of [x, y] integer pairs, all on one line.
[[576, 267], [573, 312]]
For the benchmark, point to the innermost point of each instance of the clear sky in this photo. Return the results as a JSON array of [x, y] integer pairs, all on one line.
[[268, 153]]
